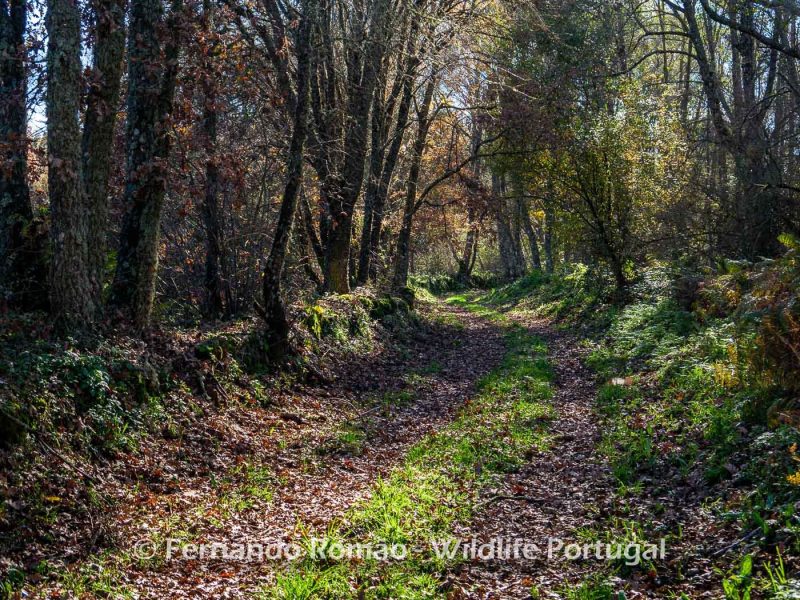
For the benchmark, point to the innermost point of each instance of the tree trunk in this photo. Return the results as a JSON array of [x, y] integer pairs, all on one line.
[[337, 251], [363, 68], [277, 325], [549, 220], [516, 237], [530, 233], [20, 259], [371, 236], [402, 254], [382, 193], [71, 299], [98, 132], [214, 301], [740, 128], [311, 233], [302, 240], [375, 166], [467, 260], [509, 255], [151, 90]]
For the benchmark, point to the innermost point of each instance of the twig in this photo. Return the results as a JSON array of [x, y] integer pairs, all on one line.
[[736, 543]]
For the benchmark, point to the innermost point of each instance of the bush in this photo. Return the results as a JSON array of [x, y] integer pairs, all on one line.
[[773, 306]]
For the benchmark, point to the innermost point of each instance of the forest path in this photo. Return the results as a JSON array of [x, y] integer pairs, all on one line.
[[559, 492], [398, 398]]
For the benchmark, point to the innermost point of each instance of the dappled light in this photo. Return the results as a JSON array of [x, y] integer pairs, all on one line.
[[400, 299]]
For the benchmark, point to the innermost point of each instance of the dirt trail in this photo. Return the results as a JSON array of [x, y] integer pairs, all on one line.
[[565, 494], [444, 366], [558, 491]]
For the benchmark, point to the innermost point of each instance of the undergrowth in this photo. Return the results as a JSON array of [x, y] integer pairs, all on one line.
[[70, 406]]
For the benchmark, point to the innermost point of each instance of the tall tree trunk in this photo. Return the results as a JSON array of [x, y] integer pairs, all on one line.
[[274, 311], [505, 236], [530, 233], [303, 243], [467, 260], [71, 299], [377, 152], [740, 128], [403, 252], [364, 65], [371, 235], [214, 301], [151, 90], [19, 256], [549, 220], [311, 233], [382, 193], [337, 249], [98, 132], [515, 223]]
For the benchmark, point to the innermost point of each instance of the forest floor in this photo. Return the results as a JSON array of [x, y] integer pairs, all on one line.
[[481, 425]]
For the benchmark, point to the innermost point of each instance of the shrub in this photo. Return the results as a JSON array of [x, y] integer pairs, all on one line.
[[773, 306]]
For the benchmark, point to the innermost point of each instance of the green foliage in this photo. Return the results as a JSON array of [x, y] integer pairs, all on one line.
[[595, 588], [772, 309], [304, 584], [350, 439], [347, 317], [396, 398], [441, 284], [11, 583], [575, 293], [216, 348], [739, 584], [693, 379], [114, 396], [99, 577], [246, 487]]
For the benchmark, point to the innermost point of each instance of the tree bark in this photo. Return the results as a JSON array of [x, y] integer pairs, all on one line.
[[215, 298], [377, 152], [98, 132], [530, 233], [151, 90], [274, 311], [549, 219], [71, 299], [20, 259], [363, 66], [403, 252], [509, 255], [740, 128], [467, 260], [384, 165]]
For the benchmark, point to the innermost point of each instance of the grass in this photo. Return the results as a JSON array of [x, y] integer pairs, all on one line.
[[250, 486], [593, 588], [437, 484]]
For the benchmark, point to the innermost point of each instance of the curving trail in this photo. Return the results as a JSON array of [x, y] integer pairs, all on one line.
[[439, 368], [561, 495]]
